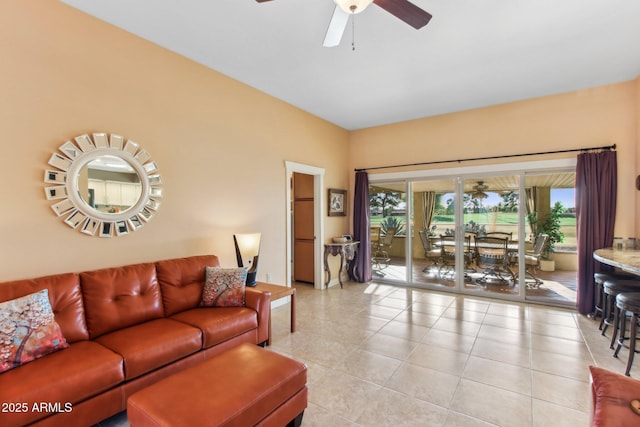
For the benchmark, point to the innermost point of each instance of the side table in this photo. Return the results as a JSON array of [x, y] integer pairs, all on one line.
[[347, 251], [278, 292]]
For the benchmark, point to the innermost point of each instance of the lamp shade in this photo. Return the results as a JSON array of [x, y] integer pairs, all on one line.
[[353, 6], [247, 250]]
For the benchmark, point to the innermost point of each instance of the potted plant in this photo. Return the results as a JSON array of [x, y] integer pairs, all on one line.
[[549, 225]]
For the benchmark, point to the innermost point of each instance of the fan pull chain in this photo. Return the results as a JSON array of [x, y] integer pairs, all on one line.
[[353, 32]]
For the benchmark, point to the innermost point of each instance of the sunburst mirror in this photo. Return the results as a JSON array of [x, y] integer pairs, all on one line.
[[103, 185]]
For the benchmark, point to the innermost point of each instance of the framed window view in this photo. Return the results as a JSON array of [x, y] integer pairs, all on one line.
[[337, 202]]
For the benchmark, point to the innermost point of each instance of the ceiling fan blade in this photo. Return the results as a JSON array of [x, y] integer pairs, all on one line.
[[406, 11], [262, 1], [336, 29]]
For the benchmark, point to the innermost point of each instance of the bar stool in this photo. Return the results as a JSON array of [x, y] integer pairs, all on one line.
[[599, 279], [628, 302], [612, 288]]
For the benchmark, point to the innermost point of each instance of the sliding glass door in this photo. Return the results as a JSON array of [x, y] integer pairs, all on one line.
[[433, 233], [388, 228], [492, 239], [477, 232]]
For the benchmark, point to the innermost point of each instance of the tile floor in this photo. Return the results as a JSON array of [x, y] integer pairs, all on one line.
[[382, 355]]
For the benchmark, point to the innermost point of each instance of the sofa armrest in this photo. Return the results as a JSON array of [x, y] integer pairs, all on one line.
[[260, 301]]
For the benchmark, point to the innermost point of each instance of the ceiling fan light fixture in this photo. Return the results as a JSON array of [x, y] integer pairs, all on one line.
[[478, 192], [479, 195], [353, 6]]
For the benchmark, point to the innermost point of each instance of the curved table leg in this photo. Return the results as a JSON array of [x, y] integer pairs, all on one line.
[[326, 268]]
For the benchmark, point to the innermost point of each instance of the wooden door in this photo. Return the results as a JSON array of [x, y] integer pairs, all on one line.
[[303, 228]]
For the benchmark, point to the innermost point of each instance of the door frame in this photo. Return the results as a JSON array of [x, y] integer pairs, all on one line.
[[318, 224]]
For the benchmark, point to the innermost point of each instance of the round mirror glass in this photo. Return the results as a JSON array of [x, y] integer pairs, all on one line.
[[103, 185], [109, 185]]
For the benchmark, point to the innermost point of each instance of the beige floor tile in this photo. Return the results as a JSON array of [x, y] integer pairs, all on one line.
[[455, 419], [501, 352], [505, 336], [363, 321], [513, 323], [316, 416], [558, 364], [393, 303], [489, 404], [344, 395], [457, 326], [368, 366], [398, 410], [383, 312], [561, 346], [427, 308], [437, 298], [464, 315], [508, 309], [553, 318], [441, 359], [549, 330], [498, 374], [417, 318], [471, 304], [450, 340], [425, 384], [324, 351], [404, 330], [561, 391], [389, 346], [547, 414]]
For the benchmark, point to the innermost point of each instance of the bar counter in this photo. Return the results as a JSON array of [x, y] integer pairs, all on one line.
[[624, 259]]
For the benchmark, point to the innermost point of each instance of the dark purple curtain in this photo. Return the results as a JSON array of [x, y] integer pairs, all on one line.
[[596, 190], [360, 270]]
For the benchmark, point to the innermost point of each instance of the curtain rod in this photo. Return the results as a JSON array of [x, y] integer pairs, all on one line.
[[609, 147]]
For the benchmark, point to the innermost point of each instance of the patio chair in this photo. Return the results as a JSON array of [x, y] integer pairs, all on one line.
[[380, 250], [431, 252], [532, 261], [493, 258], [448, 256]]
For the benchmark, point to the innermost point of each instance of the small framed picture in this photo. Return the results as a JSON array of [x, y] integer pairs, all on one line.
[[337, 202]]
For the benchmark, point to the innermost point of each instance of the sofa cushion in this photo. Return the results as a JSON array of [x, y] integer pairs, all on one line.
[[612, 396], [28, 330], [65, 297], [224, 287], [219, 324], [83, 370], [152, 344], [116, 298], [181, 281]]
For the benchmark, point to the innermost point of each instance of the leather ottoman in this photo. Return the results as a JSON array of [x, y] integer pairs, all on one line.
[[244, 386]]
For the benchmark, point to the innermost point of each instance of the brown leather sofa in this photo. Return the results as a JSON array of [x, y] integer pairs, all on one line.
[[127, 328]]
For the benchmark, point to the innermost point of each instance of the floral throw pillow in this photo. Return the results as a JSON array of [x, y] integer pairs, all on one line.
[[224, 287], [28, 330]]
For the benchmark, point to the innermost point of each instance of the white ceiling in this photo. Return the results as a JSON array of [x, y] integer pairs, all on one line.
[[473, 53]]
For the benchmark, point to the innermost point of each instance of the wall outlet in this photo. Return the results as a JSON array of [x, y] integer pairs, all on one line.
[[268, 277]]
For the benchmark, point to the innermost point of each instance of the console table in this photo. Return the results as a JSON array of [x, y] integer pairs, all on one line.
[[347, 251]]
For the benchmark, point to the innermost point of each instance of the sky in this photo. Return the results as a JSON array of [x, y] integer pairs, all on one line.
[[562, 195]]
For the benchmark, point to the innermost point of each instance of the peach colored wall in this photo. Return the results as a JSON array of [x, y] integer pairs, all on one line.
[[588, 118], [220, 145]]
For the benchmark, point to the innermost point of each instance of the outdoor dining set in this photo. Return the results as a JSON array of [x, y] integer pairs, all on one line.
[[488, 258]]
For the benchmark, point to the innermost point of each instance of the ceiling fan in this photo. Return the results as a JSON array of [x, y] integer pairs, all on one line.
[[401, 9], [479, 191]]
